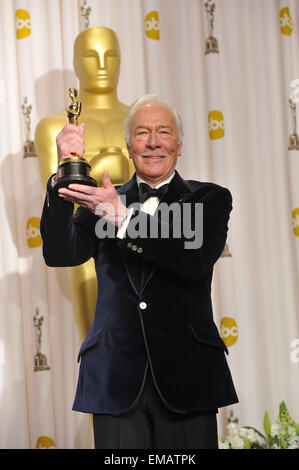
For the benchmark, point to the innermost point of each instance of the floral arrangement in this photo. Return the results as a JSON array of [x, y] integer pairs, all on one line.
[[283, 434]]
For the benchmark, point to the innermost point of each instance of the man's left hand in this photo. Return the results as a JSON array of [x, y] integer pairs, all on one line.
[[103, 201]]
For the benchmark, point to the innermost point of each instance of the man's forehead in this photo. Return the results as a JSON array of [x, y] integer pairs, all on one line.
[[154, 112]]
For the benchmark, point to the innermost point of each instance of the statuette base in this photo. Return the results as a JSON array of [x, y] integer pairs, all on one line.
[[211, 46], [40, 362], [29, 149], [73, 170], [293, 142]]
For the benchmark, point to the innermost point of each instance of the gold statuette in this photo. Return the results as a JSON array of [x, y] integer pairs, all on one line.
[[293, 138], [74, 169], [29, 147], [211, 41], [40, 360]]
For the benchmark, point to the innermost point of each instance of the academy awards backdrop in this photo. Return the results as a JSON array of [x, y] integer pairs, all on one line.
[[231, 69]]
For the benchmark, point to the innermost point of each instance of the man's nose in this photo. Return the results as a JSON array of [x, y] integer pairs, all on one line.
[[153, 141]]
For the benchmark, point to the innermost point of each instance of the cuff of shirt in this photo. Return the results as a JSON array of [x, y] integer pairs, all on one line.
[[122, 229]]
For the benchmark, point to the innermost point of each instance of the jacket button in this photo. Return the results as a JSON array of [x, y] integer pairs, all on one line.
[[134, 247], [129, 245], [142, 305], [139, 250]]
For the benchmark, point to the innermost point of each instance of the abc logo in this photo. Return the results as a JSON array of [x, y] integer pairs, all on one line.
[[216, 124], [295, 215], [229, 331], [286, 22], [32, 232], [45, 442], [23, 24], [151, 25]]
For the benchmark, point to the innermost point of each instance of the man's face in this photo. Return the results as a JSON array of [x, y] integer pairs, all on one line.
[[154, 143]]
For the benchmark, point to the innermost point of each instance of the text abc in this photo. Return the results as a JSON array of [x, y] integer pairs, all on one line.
[[20, 23], [32, 232], [296, 221], [215, 124], [226, 331], [151, 24], [286, 21]]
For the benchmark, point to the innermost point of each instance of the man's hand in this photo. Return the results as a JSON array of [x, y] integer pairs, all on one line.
[[103, 202], [70, 141]]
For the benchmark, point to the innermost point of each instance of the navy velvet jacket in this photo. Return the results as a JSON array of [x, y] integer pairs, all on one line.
[[154, 305]]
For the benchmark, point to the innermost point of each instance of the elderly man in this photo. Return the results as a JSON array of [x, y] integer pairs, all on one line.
[[153, 370]]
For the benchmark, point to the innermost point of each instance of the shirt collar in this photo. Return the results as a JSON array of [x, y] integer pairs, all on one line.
[[139, 180]]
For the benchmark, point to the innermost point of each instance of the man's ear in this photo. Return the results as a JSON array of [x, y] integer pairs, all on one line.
[[180, 149], [129, 150]]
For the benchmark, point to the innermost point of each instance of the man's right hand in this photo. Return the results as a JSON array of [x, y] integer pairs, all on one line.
[[70, 141]]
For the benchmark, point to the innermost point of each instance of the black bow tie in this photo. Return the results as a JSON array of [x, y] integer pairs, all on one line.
[[145, 191]]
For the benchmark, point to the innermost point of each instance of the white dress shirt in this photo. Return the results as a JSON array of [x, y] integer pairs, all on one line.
[[149, 206]]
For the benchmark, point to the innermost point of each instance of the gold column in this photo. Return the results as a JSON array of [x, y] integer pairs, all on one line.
[[97, 66]]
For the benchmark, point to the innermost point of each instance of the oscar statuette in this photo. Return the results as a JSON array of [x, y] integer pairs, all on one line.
[[73, 169], [211, 41], [293, 138]]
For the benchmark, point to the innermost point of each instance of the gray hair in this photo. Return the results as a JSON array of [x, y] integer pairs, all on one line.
[[143, 101]]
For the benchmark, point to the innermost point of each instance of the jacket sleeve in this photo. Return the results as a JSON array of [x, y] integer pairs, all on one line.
[[68, 239], [175, 252]]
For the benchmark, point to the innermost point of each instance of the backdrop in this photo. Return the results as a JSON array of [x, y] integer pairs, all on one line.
[[240, 132]]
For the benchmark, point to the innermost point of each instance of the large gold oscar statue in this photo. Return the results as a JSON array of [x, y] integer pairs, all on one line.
[[97, 65]]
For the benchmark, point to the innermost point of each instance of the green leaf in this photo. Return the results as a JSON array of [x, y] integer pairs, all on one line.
[[270, 442], [283, 410], [247, 444], [256, 430], [276, 441], [296, 426], [283, 443], [267, 424]]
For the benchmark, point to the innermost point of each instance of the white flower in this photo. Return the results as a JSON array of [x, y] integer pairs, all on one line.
[[293, 441], [283, 434], [233, 429], [237, 442], [250, 434], [274, 430], [243, 432], [223, 445]]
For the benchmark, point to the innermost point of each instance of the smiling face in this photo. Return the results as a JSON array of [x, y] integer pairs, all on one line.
[[154, 143]]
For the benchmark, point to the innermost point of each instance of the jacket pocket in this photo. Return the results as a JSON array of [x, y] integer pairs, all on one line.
[[91, 341], [208, 336]]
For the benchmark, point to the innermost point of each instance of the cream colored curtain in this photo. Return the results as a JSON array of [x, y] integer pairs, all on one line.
[[239, 125]]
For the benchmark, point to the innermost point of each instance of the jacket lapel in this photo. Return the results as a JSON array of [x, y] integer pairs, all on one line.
[[133, 265], [178, 191], [140, 273], [129, 191]]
